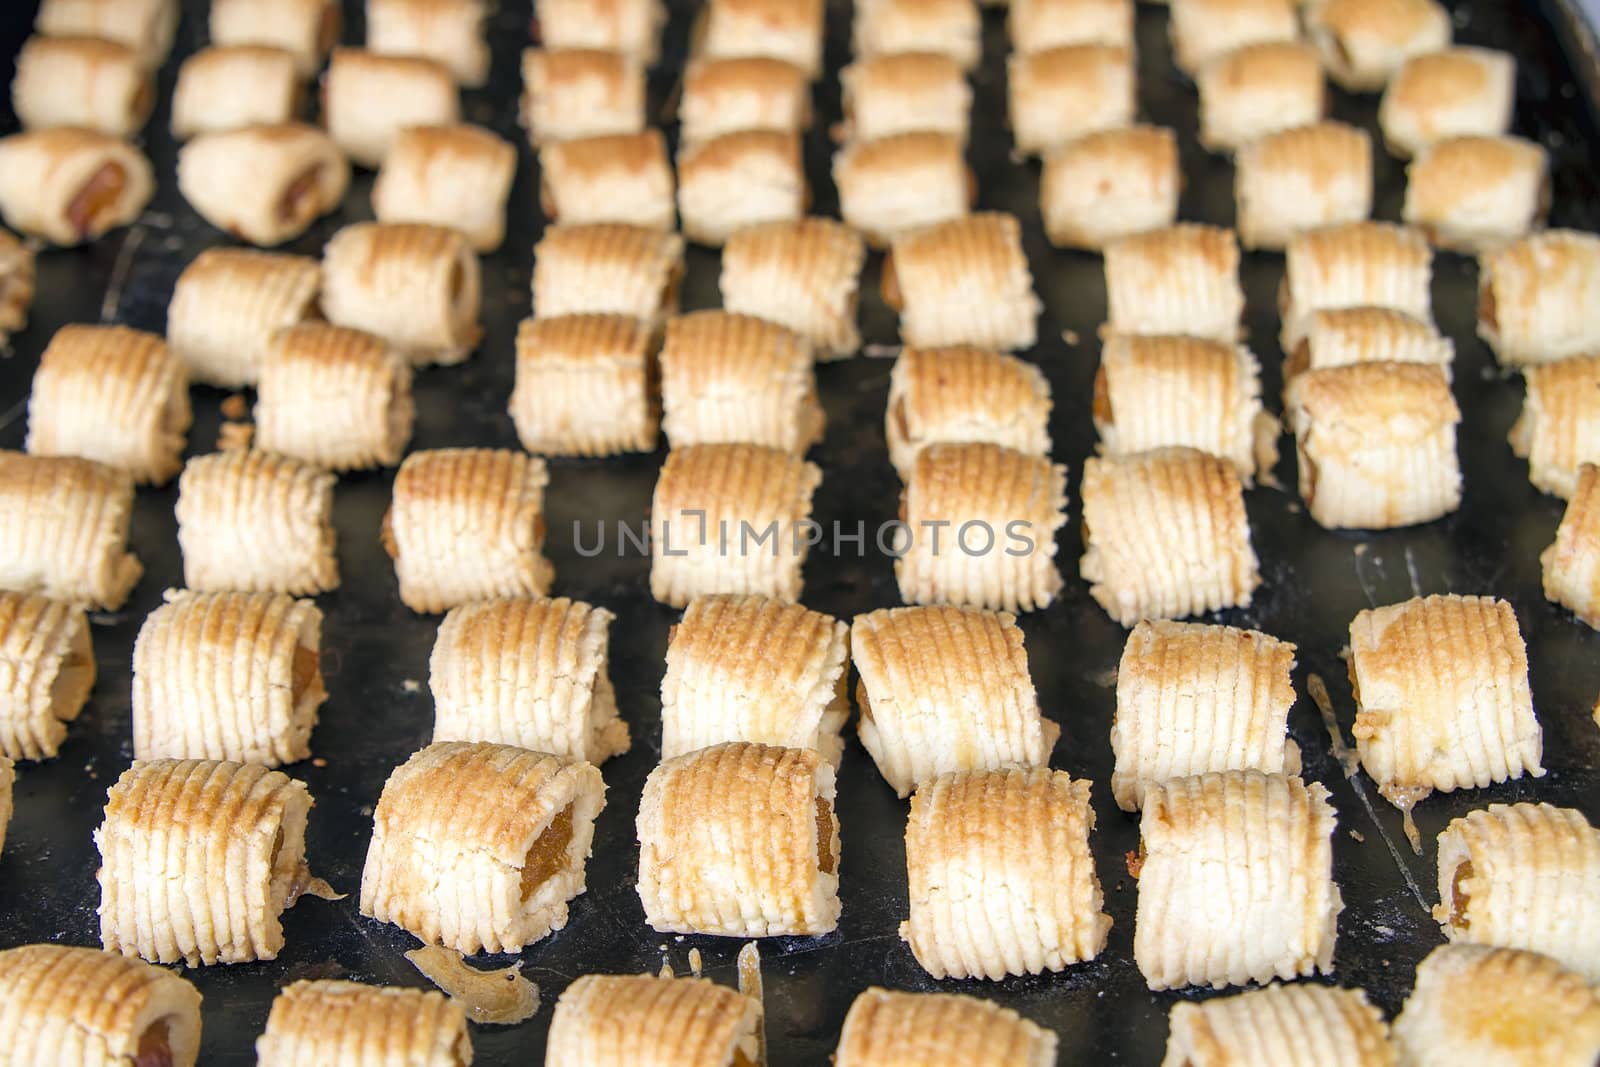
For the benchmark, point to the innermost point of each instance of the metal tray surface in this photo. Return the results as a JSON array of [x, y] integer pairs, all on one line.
[[375, 651]]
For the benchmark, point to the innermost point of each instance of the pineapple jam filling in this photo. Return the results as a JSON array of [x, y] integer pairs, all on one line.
[[548, 856], [827, 862], [96, 200]]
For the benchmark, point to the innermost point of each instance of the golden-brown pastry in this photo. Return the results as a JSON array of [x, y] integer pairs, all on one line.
[[750, 93], [979, 526], [1456, 92], [1063, 93], [1183, 280], [1442, 699], [963, 282], [1039, 25], [95, 1009], [1559, 428], [620, 178], [367, 98], [1236, 881], [1472, 193], [458, 176], [790, 30], [607, 268], [1500, 1007], [146, 26], [571, 93], [886, 1029], [82, 81], [1001, 877], [614, 1020], [335, 397], [481, 847], [1363, 42], [16, 285], [47, 668], [70, 186], [948, 27], [331, 1021], [306, 29], [946, 689], [114, 395], [939, 395], [1192, 699], [1257, 90], [1364, 264], [1300, 1025], [228, 676], [1203, 30], [632, 27], [1160, 392], [1110, 184], [199, 859], [740, 179], [416, 285], [263, 184], [731, 518], [1166, 535], [527, 672], [64, 530], [1376, 444], [1523, 876], [740, 840], [1539, 297], [727, 378], [225, 87], [801, 273], [449, 32], [1342, 336], [902, 183], [584, 385], [227, 305], [905, 92], [1302, 179], [747, 668], [256, 522], [467, 524], [1571, 564]]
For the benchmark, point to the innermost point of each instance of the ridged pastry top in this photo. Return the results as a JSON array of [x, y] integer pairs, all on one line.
[[737, 149], [954, 389], [1361, 402], [1445, 78], [607, 1020], [585, 340], [1300, 1025], [1502, 1006], [741, 75], [1322, 150], [590, 157], [890, 1029], [738, 480], [1266, 65], [981, 253], [87, 1008], [351, 1024], [1396, 21], [1458, 170], [705, 351], [497, 798]]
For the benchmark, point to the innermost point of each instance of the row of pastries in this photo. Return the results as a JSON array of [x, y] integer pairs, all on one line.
[[496, 866]]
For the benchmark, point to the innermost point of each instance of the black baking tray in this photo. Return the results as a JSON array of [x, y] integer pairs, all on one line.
[[375, 652]]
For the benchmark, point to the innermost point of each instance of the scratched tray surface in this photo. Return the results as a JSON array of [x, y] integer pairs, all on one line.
[[375, 652]]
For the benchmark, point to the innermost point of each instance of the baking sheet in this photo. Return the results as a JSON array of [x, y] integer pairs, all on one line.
[[375, 651]]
